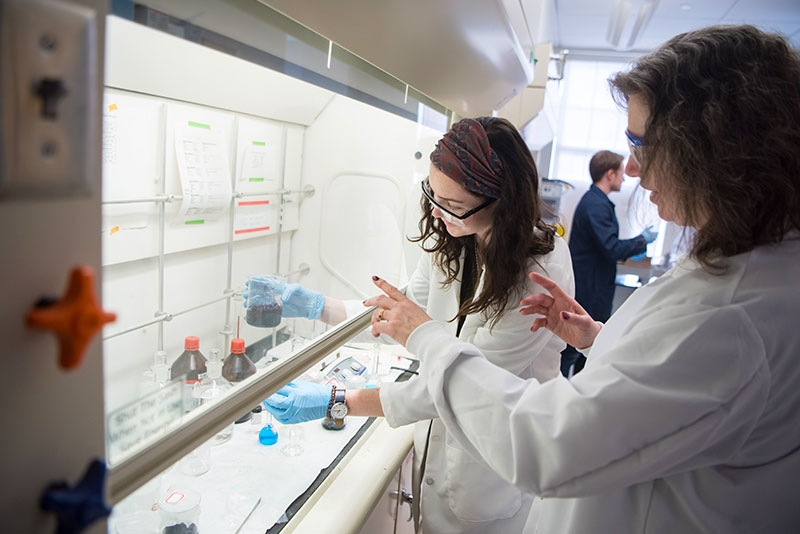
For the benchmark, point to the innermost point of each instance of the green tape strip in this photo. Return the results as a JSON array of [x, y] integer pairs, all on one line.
[[199, 125], [255, 179], [198, 221], [259, 143]]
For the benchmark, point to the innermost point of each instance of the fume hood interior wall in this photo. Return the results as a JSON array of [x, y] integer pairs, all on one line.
[[366, 166], [319, 139]]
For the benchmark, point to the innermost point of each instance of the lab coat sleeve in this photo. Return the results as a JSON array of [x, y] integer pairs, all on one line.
[[408, 402], [605, 233], [672, 394], [509, 343]]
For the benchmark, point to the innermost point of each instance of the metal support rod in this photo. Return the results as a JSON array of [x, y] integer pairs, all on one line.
[[162, 316], [302, 269], [282, 174], [162, 232], [157, 198], [307, 191]]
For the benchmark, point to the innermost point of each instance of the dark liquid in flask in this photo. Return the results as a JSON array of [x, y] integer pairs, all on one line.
[[264, 315]]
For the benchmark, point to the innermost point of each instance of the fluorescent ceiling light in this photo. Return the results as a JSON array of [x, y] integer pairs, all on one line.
[[619, 15], [619, 20], [642, 20]]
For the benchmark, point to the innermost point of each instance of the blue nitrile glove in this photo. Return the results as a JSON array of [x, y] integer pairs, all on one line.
[[297, 402], [638, 257], [275, 285], [649, 235], [299, 301]]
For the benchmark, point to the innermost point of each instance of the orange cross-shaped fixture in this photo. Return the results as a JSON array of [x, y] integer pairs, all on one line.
[[75, 318]]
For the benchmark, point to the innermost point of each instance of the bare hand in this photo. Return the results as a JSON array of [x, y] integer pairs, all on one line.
[[396, 315], [561, 313]]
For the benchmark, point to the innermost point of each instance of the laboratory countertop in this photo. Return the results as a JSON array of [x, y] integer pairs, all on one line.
[[359, 481], [252, 488]]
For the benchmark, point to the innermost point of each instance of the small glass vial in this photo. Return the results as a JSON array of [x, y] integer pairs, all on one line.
[[157, 376], [190, 365], [211, 388]]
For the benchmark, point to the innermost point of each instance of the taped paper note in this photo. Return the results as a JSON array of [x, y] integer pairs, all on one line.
[[205, 175]]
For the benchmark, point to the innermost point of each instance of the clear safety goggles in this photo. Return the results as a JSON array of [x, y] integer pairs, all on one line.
[[635, 146], [449, 215]]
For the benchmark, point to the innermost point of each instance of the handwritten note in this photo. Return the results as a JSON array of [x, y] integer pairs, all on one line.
[[205, 175]]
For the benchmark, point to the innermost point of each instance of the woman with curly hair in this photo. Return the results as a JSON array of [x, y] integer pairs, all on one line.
[[686, 417]]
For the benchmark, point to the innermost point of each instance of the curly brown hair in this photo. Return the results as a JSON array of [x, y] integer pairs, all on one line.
[[512, 240], [724, 132]]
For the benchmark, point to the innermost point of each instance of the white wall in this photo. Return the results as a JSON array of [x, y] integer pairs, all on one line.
[[367, 181]]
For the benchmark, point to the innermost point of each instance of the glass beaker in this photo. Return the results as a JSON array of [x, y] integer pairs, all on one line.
[[179, 509], [263, 304], [294, 437], [196, 462]]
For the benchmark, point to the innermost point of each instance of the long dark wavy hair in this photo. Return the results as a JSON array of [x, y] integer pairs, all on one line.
[[724, 134], [511, 241]]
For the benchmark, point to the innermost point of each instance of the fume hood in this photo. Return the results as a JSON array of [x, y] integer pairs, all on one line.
[[313, 156], [464, 56]]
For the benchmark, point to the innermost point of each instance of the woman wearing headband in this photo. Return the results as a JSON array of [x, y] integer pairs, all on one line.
[[482, 229]]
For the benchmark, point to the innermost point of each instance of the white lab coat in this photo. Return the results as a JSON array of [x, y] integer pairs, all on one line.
[[460, 493], [685, 419]]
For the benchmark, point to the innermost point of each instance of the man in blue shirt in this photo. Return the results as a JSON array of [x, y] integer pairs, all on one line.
[[596, 248]]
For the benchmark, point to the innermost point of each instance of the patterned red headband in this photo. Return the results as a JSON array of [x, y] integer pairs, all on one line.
[[464, 154]]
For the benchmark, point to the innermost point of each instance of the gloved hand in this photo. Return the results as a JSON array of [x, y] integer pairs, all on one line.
[[297, 402], [296, 300], [638, 257], [649, 235], [299, 301]]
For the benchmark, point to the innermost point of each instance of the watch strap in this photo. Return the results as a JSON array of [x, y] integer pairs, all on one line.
[[338, 398], [330, 403]]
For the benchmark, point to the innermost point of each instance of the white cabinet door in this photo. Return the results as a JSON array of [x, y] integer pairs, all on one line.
[[382, 518], [392, 514], [404, 523], [50, 218]]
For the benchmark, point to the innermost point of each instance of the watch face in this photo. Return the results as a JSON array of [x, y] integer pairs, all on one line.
[[338, 411]]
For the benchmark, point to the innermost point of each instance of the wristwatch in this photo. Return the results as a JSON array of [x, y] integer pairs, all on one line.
[[337, 409]]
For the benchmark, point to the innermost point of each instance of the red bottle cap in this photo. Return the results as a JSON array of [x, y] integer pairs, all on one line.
[[192, 343], [237, 346]]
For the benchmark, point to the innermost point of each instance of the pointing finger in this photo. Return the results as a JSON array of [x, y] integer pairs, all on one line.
[[547, 284], [388, 288], [380, 301]]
